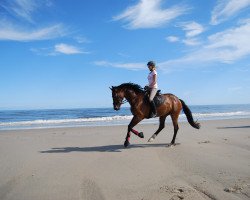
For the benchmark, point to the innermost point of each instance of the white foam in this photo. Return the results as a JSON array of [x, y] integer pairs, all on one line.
[[65, 121], [114, 120], [222, 114]]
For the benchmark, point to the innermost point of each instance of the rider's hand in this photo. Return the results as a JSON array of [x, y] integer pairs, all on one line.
[[146, 87]]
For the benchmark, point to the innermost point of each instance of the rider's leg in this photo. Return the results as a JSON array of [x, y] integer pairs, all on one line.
[[153, 92]]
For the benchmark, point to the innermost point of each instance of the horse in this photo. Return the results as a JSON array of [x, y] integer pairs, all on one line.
[[135, 95]]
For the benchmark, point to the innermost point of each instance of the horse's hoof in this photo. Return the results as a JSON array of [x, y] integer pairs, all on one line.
[[141, 135], [152, 138], [126, 143], [172, 144]]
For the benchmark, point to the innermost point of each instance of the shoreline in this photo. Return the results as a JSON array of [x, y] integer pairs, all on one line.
[[109, 123], [30, 119], [91, 163]]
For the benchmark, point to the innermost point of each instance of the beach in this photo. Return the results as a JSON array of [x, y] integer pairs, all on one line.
[[90, 163]]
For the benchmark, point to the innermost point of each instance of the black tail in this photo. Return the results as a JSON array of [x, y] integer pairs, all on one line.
[[189, 115]]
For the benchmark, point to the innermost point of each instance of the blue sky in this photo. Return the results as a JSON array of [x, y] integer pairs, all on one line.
[[66, 54]]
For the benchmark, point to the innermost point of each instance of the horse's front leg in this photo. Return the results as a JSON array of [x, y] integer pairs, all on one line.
[[139, 134], [135, 120]]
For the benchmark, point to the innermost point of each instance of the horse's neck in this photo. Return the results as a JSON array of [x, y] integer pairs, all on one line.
[[132, 97]]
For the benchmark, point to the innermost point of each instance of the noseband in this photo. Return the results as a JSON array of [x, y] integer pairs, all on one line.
[[121, 100]]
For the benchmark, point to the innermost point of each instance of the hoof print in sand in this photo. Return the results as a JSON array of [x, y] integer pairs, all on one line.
[[180, 192], [91, 191]]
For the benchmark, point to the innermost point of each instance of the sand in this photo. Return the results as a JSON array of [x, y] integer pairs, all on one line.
[[90, 163]]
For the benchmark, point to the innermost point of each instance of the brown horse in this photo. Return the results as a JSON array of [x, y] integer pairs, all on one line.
[[135, 95]]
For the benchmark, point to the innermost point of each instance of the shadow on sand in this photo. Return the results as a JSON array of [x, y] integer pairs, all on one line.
[[108, 148], [228, 127]]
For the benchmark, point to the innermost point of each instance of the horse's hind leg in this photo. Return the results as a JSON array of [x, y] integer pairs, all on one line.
[[176, 126], [161, 126]]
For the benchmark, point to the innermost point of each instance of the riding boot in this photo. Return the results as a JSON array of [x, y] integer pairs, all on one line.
[[153, 109]]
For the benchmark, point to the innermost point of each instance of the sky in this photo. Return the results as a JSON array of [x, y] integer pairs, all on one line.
[[66, 54]]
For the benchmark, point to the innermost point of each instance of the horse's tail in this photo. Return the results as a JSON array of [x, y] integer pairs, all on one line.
[[189, 115]]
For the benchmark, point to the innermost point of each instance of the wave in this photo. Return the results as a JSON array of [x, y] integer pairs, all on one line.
[[62, 121], [222, 114], [112, 120]]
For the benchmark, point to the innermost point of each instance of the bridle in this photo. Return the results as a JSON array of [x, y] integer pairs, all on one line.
[[120, 100]]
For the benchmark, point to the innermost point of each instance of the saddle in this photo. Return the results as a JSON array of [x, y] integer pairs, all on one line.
[[158, 99]]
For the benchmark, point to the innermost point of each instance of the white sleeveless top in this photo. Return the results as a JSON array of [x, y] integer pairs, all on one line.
[[150, 79]]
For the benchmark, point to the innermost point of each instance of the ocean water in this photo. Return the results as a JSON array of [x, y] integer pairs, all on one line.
[[52, 118]]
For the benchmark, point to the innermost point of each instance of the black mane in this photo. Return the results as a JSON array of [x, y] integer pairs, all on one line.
[[135, 87]]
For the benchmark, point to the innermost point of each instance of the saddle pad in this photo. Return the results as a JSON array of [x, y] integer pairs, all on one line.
[[159, 99]]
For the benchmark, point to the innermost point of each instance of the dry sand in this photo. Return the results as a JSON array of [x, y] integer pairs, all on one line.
[[90, 163]]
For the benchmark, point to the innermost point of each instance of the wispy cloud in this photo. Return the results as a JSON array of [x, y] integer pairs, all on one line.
[[82, 39], [192, 28], [172, 39], [224, 47], [149, 14], [226, 9], [18, 23], [123, 55], [186, 41], [59, 49], [9, 31], [67, 49], [191, 41], [129, 66], [23, 9]]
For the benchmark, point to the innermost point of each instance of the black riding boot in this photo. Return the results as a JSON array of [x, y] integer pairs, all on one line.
[[153, 109]]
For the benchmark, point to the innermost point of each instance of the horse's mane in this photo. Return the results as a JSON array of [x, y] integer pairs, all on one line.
[[135, 87]]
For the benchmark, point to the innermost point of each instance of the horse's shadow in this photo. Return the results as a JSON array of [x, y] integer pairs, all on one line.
[[231, 127], [107, 148]]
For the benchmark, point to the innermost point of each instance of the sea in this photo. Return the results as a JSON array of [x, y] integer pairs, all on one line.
[[78, 117]]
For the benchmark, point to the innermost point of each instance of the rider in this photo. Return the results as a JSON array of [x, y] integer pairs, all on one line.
[[153, 86]]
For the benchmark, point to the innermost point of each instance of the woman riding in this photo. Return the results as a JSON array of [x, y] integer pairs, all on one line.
[[153, 86]]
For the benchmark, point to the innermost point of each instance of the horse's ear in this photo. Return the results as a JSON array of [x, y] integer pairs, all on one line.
[[111, 87]]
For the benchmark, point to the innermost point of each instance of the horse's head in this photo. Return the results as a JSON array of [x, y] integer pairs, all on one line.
[[118, 96]]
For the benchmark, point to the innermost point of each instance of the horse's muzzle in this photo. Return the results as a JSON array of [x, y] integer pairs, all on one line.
[[116, 107]]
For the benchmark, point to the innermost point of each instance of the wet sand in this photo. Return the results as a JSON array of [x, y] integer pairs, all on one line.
[[90, 163]]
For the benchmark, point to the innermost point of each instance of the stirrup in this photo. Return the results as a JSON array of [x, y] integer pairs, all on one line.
[[152, 115]]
